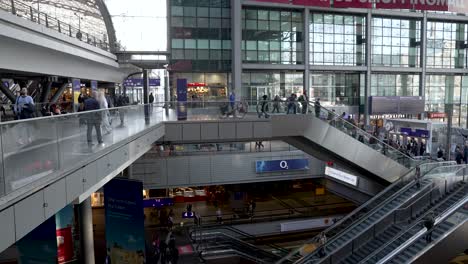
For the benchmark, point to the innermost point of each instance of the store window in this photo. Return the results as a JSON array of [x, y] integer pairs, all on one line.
[[396, 42], [283, 84], [337, 39], [445, 45], [442, 90], [336, 88], [272, 36], [395, 85]]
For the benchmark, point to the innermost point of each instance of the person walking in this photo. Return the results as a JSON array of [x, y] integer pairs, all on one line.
[[163, 251], [317, 108], [232, 101], [93, 119], [263, 107], [121, 102], [105, 115], [276, 104], [429, 224], [151, 102], [322, 241], [465, 153], [417, 177], [458, 155], [24, 105], [219, 216], [292, 104]]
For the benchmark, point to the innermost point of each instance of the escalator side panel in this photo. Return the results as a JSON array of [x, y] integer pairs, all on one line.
[[339, 143], [449, 247]]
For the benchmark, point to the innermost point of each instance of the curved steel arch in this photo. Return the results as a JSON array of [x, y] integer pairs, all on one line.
[[109, 24]]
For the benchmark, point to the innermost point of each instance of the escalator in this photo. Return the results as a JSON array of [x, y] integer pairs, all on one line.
[[439, 189], [451, 214], [224, 242], [371, 207], [331, 138]]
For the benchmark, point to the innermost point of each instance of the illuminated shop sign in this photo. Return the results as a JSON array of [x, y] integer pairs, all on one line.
[[341, 176], [460, 6], [436, 115], [281, 165]]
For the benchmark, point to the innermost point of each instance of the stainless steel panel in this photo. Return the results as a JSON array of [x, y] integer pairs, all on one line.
[[244, 130], [262, 130], [209, 131], [227, 130], [92, 175], [173, 132], [7, 228], [74, 185], [55, 198], [200, 169], [179, 172], [29, 213], [191, 132]]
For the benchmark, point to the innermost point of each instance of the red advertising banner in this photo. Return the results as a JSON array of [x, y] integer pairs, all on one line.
[[275, 1], [64, 245], [320, 3], [394, 4], [353, 3], [434, 5]]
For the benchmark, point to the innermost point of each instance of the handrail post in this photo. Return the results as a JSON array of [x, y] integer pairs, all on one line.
[[59, 28], [32, 15], [69, 28], [46, 20], [13, 9]]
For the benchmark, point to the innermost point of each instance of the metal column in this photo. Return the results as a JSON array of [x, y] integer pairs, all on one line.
[[367, 90], [145, 95], [236, 36], [306, 52], [59, 92], [6, 91], [86, 232], [423, 59]]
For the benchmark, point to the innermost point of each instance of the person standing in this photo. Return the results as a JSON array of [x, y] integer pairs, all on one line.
[[219, 216], [291, 104], [151, 102], [317, 108], [93, 119], [104, 113], [429, 224], [322, 241], [276, 104], [458, 155], [232, 101], [25, 105], [465, 153], [417, 177]]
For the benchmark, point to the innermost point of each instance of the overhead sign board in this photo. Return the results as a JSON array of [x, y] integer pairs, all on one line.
[[341, 176], [138, 82], [281, 165], [381, 105]]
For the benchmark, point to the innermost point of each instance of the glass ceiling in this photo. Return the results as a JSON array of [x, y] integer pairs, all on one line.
[[72, 11]]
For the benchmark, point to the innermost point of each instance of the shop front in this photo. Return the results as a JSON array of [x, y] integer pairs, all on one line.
[[204, 86]]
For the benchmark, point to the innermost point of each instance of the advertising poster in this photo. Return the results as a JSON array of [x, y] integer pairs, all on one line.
[[125, 235], [64, 229], [281, 165], [94, 86], [76, 86], [181, 99], [39, 246], [352, 3]]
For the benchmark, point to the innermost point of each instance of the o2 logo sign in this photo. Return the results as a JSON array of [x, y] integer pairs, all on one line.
[[281, 165]]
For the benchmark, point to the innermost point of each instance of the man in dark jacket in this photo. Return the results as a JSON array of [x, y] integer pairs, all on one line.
[[429, 224], [317, 108], [93, 119]]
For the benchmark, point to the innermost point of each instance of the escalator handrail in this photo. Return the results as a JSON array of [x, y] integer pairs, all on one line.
[[234, 251], [244, 234], [362, 219], [447, 213], [237, 241], [406, 230], [358, 129], [360, 208]]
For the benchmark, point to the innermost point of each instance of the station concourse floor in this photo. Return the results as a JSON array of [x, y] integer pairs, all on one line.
[[325, 204]]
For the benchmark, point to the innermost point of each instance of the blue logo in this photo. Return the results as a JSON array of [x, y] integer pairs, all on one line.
[[281, 165]]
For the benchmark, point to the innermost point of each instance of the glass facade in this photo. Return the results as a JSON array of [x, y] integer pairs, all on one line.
[[395, 85], [337, 39], [272, 36], [201, 35], [446, 45], [395, 42], [336, 88], [271, 83]]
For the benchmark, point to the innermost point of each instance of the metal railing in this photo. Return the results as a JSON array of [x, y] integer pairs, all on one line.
[[439, 180], [419, 231], [425, 200], [371, 205], [27, 12]]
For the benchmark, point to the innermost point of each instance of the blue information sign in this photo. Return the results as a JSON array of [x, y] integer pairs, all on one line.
[[281, 165], [138, 82]]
